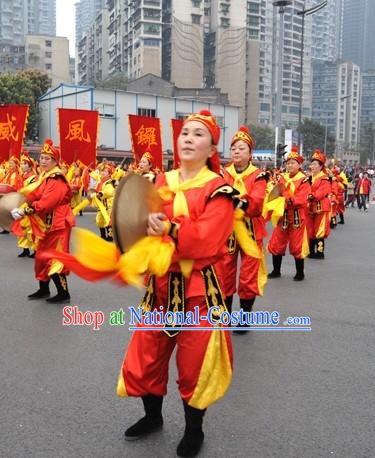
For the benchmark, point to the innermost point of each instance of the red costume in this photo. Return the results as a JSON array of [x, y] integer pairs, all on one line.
[[292, 226], [200, 237], [319, 208]]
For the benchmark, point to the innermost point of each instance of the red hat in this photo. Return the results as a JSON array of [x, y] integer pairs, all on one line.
[[147, 155], [206, 118], [26, 158], [319, 156], [50, 149], [244, 135], [15, 160], [294, 155]]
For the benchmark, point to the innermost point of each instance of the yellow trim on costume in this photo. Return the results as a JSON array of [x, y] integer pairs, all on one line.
[[56, 266], [322, 227], [238, 178], [244, 236], [262, 274], [180, 206], [121, 388], [276, 207], [318, 175], [32, 186], [305, 245], [216, 373]]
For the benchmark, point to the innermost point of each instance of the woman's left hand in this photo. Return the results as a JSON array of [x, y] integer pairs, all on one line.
[[156, 224]]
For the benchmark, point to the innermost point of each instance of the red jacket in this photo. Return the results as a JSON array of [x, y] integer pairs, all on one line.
[[51, 201], [255, 184], [364, 186], [321, 188], [201, 236]]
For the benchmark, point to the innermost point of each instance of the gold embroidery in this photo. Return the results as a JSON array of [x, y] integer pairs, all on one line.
[[231, 243], [148, 300]]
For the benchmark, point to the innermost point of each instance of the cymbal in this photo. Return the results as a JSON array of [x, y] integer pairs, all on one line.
[[7, 203], [134, 200], [275, 192]]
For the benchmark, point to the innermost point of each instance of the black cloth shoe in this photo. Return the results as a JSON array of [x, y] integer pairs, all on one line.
[[143, 427], [342, 221], [247, 306], [42, 292], [151, 422], [299, 268], [193, 437], [25, 253], [312, 246], [32, 255], [4, 232], [276, 262], [61, 284], [59, 298], [191, 443], [320, 244]]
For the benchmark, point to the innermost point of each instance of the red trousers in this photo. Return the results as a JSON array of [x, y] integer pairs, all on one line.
[[318, 225], [204, 362], [252, 272], [55, 240], [297, 238]]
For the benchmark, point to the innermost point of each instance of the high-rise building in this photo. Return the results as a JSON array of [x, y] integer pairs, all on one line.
[[50, 55], [357, 39], [92, 51], [367, 120], [336, 101], [86, 11], [325, 32], [12, 28], [40, 17]]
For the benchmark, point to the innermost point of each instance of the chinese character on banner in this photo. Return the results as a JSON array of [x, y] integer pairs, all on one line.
[[78, 131], [145, 133], [176, 125], [13, 123]]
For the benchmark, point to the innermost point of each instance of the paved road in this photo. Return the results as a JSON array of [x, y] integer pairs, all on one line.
[[293, 394]]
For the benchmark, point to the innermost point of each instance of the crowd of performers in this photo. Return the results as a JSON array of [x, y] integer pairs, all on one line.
[[211, 216]]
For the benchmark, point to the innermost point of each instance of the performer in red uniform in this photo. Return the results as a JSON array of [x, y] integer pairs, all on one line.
[[319, 206], [50, 201], [198, 217], [251, 184], [28, 176], [292, 226]]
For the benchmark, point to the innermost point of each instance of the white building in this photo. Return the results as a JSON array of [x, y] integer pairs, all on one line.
[[115, 106]]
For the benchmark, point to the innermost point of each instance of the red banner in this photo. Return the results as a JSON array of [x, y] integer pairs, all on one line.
[[176, 125], [78, 132], [13, 122], [145, 133]]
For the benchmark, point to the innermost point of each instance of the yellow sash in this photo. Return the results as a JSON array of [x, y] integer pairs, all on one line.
[[180, 206], [238, 178]]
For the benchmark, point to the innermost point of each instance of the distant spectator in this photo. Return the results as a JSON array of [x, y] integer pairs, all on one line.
[[364, 187]]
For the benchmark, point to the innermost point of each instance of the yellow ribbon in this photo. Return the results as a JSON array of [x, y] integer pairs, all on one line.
[[238, 178], [244, 236], [180, 206], [43, 176]]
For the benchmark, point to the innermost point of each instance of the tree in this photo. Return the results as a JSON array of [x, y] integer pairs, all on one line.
[[118, 81], [313, 135], [25, 86], [367, 143], [263, 136]]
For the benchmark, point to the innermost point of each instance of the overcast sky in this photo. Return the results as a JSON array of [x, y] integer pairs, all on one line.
[[65, 21]]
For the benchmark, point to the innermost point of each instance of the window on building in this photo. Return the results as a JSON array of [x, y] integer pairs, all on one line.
[[48, 43], [196, 18], [151, 112], [48, 54], [48, 66], [225, 22], [106, 110], [151, 42], [196, 3]]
